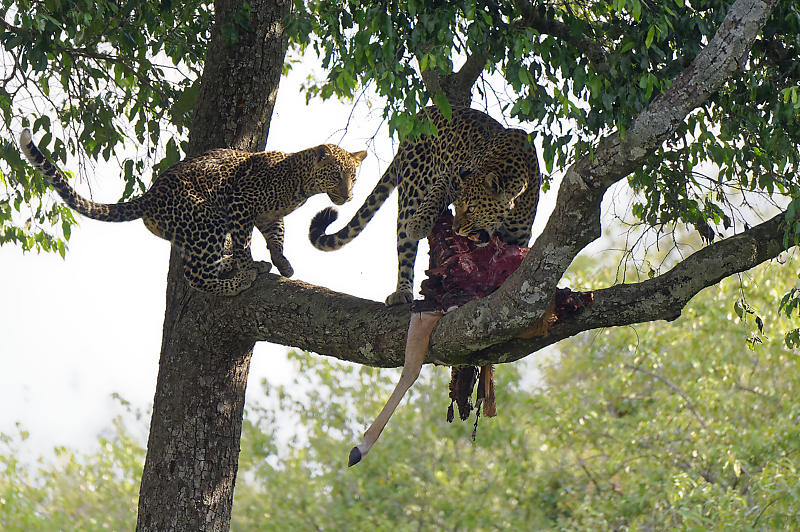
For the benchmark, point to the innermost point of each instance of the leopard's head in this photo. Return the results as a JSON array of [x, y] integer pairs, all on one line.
[[488, 190], [335, 171]]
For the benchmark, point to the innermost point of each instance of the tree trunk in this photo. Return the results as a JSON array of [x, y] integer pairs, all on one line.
[[193, 448]]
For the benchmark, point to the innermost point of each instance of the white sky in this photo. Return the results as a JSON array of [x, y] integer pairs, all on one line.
[[74, 331]]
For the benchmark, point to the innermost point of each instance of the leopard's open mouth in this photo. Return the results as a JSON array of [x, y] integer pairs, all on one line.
[[480, 237]]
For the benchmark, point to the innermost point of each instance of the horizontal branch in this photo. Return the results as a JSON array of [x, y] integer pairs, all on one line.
[[305, 316], [314, 318]]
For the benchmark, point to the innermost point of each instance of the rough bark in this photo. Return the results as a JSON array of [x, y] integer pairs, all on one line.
[[193, 448]]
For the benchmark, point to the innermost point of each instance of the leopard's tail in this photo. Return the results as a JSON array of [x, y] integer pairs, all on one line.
[[116, 212], [325, 217]]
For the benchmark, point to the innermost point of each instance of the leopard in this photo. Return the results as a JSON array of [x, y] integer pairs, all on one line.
[[208, 205], [489, 173]]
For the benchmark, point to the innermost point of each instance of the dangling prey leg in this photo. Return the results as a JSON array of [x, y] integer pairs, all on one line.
[[419, 335]]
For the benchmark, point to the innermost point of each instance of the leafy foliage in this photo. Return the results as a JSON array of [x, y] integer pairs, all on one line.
[[749, 131], [69, 491], [90, 78], [659, 427], [578, 70]]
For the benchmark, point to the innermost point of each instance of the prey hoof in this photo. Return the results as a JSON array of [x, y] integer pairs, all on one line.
[[355, 457]]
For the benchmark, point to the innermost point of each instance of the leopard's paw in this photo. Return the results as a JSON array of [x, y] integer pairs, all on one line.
[[242, 281], [225, 266], [261, 266], [283, 266], [400, 297]]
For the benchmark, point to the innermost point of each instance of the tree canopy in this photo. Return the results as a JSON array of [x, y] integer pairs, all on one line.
[[575, 71], [89, 79]]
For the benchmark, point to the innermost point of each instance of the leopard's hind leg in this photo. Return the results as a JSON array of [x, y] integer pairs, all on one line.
[[241, 221], [203, 274], [203, 262]]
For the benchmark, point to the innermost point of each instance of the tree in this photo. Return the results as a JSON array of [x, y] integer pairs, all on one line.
[[623, 89]]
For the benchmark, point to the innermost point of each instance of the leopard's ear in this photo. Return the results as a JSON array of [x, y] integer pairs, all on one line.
[[320, 152], [359, 156], [465, 172], [494, 185]]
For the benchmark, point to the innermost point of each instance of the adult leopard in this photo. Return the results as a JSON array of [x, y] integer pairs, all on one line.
[[207, 205], [490, 174]]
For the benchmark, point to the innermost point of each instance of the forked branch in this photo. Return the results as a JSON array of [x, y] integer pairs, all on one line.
[[484, 331], [367, 332]]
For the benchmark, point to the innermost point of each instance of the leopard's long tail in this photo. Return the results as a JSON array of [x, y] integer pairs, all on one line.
[[325, 217], [115, 212]]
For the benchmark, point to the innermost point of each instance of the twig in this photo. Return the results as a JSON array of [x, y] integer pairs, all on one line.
[[674, 388]]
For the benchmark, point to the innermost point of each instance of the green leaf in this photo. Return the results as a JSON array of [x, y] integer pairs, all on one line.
[[636, 9], [650, 35], [184, 104], [443, 104], [738, 309]]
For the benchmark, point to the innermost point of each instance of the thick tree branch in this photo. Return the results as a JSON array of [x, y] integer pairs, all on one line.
[[457, 86], [313, 318], [297, 314]]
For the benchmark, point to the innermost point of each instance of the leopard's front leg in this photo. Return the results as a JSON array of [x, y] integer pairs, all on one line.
[[273, 234], [422, 219]]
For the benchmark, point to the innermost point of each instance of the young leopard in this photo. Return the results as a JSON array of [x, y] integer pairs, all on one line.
[[207, 205], [490, 174]]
